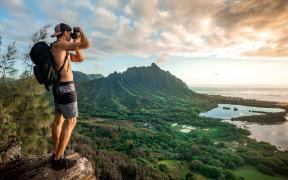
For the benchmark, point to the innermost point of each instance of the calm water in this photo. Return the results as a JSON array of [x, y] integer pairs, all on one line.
[[228, 111], [266, 94], [276, 134]]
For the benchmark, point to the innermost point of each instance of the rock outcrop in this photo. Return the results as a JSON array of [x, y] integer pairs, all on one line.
[[39, 167], [12, 152]]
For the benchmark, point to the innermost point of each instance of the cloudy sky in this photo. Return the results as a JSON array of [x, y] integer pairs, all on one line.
[[202, 42]]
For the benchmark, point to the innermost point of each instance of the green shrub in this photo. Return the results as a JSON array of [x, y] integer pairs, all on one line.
[[163, 168], [195, 165], [264, 169]]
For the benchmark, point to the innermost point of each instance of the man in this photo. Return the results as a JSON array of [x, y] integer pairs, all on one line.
[[65, 99]]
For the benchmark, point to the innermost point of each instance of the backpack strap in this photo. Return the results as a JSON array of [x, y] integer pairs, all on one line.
[[57, 83], [53, 43], [67, 53], [66, 57]]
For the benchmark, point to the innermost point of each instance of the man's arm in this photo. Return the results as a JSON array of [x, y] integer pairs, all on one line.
[[78, 57], [85, 43]]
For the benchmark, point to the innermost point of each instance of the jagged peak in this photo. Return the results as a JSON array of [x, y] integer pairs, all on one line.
[[115, 73], [154, 65]]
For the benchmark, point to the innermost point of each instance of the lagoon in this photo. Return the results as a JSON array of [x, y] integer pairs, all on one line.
[[275, 134]]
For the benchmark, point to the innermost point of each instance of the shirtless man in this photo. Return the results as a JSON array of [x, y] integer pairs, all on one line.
[[65, 99]]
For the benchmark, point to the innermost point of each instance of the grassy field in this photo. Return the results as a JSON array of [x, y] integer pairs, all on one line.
[[180, 168], [250, 173]]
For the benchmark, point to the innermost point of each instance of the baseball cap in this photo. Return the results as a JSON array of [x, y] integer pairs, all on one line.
[[60, 28]]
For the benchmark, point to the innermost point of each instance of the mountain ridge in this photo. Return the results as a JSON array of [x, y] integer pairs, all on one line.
[[152, 76], [136, 88], [81, 77]]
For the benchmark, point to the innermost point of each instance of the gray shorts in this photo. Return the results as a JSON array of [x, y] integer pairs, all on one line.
[[65, 99]]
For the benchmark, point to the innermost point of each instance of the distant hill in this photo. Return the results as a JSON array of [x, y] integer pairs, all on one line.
[[82, 77], [134, 89]]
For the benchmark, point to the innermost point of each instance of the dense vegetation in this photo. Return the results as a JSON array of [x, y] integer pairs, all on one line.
[[118, 114], [26, 114]]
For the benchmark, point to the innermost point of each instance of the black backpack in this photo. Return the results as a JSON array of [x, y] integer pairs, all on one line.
[[45, 70]]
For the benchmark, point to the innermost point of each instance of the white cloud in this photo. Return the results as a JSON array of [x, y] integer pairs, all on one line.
[[110, 3], [145, 11], [127, 10], [16, 8], [103, 19], [163, 58], [61, 11]]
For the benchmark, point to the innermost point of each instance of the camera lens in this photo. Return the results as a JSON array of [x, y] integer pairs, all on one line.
[[74, 35]]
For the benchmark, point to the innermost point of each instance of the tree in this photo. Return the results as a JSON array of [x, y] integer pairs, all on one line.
[[34, 115], [163, 168], [7, 126], [7, 62], [195, 165], [210, 171]]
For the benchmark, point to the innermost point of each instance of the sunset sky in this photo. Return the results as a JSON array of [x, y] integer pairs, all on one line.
[[202, 42]]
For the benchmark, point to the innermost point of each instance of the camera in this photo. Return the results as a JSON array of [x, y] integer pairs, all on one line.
[[74, 34]]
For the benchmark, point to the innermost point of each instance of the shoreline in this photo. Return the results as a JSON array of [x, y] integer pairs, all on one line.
[[282, 104], [267, 118], [247, 102]]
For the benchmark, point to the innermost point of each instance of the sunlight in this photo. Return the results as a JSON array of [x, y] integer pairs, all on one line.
[[264, 35], [205, 23]]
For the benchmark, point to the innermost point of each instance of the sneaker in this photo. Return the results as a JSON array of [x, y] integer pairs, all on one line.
[[63, 163], [52, 157], [66, 153]]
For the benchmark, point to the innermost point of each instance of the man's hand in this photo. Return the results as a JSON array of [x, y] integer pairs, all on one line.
[[78, 29], [78, 39], [78, 57], [84, 39]]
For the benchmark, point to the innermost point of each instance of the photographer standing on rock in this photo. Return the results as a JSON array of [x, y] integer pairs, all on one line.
[[65, 99]]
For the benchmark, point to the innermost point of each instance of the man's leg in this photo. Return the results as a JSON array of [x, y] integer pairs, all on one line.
[[56, 130], [66, 131]]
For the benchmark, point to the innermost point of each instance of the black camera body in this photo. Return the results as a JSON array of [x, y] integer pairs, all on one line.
[[74, 34]]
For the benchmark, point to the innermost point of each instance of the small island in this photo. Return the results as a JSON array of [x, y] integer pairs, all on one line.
[[267, 118]]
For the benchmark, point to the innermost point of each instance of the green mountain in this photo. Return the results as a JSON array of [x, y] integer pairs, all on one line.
[[82, 77], [136, 89], [95, 76], [138, 115]]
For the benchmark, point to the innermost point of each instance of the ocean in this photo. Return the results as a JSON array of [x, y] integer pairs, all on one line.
[[266, 94]]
